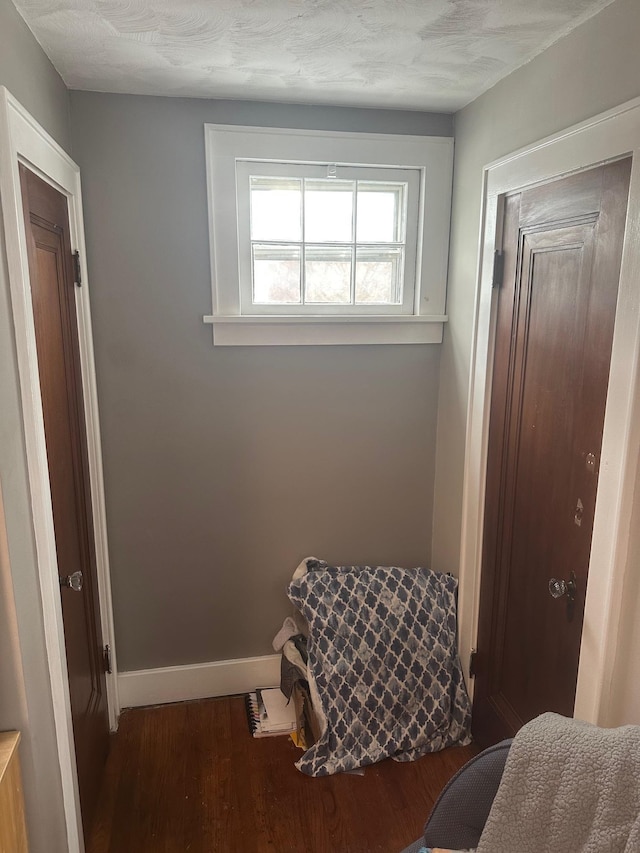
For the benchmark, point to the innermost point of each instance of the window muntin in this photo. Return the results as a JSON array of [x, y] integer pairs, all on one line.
[[313, 244]]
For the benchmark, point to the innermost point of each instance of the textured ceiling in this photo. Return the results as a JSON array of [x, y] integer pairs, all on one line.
[[415, 54]]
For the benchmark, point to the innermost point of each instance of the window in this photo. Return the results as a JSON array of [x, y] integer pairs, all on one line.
[[327, 238], [310, 243]]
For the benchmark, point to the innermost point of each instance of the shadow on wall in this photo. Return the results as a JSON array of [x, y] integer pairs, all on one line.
[[13, 700]]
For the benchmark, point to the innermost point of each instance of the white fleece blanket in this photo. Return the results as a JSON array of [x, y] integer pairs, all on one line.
[[568, 787]]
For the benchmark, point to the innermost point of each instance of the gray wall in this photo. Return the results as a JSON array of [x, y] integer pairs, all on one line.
[[30, 77], [594, 68], [225, 466], [24, 689]]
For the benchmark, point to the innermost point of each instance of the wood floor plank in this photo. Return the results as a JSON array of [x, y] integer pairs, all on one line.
[[189, 777]]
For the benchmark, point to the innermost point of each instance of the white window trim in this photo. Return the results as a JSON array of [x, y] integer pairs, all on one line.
[[433, 155]]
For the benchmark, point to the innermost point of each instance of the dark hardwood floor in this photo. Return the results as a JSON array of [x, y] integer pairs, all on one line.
[[189, 777]]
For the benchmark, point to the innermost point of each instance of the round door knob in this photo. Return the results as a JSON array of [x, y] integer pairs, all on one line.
[[558, 588], [73, 581]]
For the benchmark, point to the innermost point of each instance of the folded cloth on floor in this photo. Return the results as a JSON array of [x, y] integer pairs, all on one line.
[[291, 626], [567, 786], [384, 673], [293, 666]]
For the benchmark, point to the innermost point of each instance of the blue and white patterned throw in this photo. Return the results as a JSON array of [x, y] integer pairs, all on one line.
[[382, 651]]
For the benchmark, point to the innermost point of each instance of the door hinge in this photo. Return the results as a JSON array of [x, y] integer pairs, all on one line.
[[498, 268], [106, 659], [473, 662], [77, 274]]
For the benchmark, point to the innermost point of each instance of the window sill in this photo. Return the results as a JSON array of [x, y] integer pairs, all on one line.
[[324, 330]]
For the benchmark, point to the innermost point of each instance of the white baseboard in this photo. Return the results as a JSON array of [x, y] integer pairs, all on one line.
[[198, 681]]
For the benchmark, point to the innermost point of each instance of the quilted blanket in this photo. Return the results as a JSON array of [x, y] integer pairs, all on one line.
[[567, 786], [383, 664]]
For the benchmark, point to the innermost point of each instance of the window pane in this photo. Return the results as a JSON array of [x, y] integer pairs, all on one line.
[[276, 205], [379, 276], [328, 211], [327, 272], [276, 275], [380, 213]]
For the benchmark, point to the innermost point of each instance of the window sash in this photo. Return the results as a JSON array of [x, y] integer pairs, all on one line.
[[245, 169]]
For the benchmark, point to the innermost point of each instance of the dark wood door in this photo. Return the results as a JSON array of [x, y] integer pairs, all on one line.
[[54, 312], [562, 245]]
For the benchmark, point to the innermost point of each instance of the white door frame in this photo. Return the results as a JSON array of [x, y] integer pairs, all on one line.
[[23, 140], [606, 137]]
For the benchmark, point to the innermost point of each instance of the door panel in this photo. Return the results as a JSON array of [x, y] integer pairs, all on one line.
[[53, 298], [556, 311]]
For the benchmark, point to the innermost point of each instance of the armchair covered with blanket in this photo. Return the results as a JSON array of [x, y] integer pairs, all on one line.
[[561, 785]]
